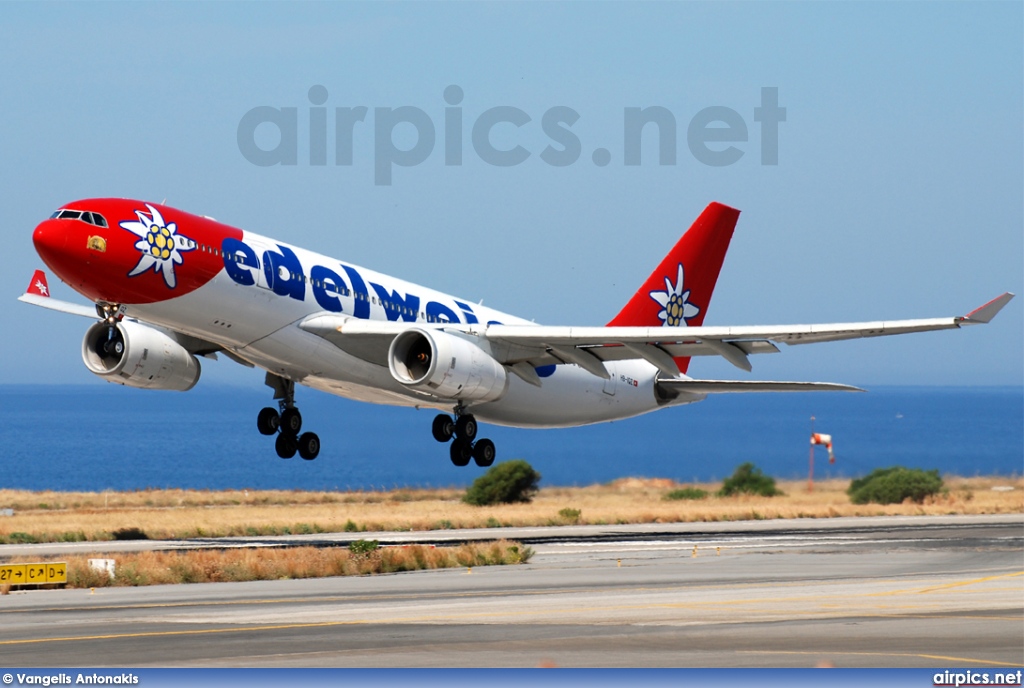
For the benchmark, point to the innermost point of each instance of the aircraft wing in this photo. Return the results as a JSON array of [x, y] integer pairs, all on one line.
[[365, 339], [58, 305], [526, 346], [38, 294], [589, 347]]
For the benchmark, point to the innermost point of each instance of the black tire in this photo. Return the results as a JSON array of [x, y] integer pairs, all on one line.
[[483, 453], [309, 445], [286, 446], [291, 422], [461, 452], [268, 421], [444, 428], [465, 427]]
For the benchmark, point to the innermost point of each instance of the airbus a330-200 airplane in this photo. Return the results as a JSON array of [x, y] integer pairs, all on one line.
[[169, 287]]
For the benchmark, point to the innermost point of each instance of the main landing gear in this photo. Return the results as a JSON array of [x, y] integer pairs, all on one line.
[[463, 428], [287, 423]]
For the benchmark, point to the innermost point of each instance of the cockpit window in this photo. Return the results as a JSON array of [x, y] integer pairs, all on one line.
[[94, 219], [84, 216]]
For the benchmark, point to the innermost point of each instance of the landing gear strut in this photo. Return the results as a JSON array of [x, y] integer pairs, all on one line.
[[113, 345], [463, 428], [287, 423]]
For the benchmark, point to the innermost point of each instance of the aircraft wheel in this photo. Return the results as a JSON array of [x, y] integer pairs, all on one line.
[[483, 453], [461, 452], [309, 445], [286, 445], [443, 428], [465, 427], [268, 421], [291, 422]]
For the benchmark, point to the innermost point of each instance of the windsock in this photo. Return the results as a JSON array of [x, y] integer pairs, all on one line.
[[821, 438]]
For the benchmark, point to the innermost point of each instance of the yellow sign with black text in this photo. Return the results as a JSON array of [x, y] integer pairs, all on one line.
[[41, 573]]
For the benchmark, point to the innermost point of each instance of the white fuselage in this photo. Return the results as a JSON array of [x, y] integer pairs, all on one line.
[[243, 311]]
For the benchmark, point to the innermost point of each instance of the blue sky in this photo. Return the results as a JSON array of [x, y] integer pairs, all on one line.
[[899, 190]]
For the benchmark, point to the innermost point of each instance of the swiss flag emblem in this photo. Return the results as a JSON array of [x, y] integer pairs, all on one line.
[[38, 285]]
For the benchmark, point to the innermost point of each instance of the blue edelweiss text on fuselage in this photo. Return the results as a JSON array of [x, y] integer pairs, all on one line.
[[285, 276]]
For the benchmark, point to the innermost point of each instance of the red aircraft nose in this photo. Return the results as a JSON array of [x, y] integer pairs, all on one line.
[[50, 239], [61, 245]]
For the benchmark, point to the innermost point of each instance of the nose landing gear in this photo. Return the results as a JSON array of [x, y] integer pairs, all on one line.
[[287, 423], [463, 448]]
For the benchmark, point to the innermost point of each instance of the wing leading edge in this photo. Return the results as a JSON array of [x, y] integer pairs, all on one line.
[[591, 347], [735, 344]]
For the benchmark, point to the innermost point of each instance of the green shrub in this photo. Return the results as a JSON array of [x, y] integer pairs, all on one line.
[[507, 483], [748, 479], [687, 493], [362, 548], [894, 485], [22, 539], [570, 515]]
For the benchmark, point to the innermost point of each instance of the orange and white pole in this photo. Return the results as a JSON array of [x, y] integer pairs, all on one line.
[[810, 469]]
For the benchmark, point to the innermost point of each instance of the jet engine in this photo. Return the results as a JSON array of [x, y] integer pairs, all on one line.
[[138, 355], [445, 366]]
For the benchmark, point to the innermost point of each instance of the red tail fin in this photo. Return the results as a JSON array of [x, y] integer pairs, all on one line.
[[37, 285], [665, 298]]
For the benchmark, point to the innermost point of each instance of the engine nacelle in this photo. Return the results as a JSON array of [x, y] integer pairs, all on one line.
[[445, 366], [139, 356]]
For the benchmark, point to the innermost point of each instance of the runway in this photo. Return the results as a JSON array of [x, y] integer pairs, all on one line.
[[889, 592]]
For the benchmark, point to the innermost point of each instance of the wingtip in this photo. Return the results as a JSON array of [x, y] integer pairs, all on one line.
[[986, 312]]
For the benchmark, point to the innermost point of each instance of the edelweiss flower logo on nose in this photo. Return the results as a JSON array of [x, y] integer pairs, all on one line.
[[676, 307], [160, 244]]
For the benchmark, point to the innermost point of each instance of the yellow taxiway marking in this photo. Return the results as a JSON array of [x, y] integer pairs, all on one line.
[[840, 653], [971, 582], [462, 616], [200, 631], [948, 586], [508, 593]]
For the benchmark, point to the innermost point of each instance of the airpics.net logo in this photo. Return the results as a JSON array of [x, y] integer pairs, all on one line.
[[715, 135]]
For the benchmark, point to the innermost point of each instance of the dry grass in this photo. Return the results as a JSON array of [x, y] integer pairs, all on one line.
[[171, 514], [214, 566]]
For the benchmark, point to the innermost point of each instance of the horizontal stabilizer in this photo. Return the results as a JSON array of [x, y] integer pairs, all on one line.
[[732, 386], [62, 306]]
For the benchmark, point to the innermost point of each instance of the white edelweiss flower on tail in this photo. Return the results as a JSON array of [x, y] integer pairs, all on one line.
[[675, 303], [160, 244]]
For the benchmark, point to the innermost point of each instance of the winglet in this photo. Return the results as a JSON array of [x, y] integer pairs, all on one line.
[[984, 314], [37, 285]]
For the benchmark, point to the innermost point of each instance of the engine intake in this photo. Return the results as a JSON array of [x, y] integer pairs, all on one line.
[[139, 356], [445, 366]]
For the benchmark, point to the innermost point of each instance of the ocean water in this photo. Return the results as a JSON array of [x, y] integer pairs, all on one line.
[[96, 437]]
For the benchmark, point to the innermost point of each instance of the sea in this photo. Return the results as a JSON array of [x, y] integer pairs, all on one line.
[[105, 437]]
